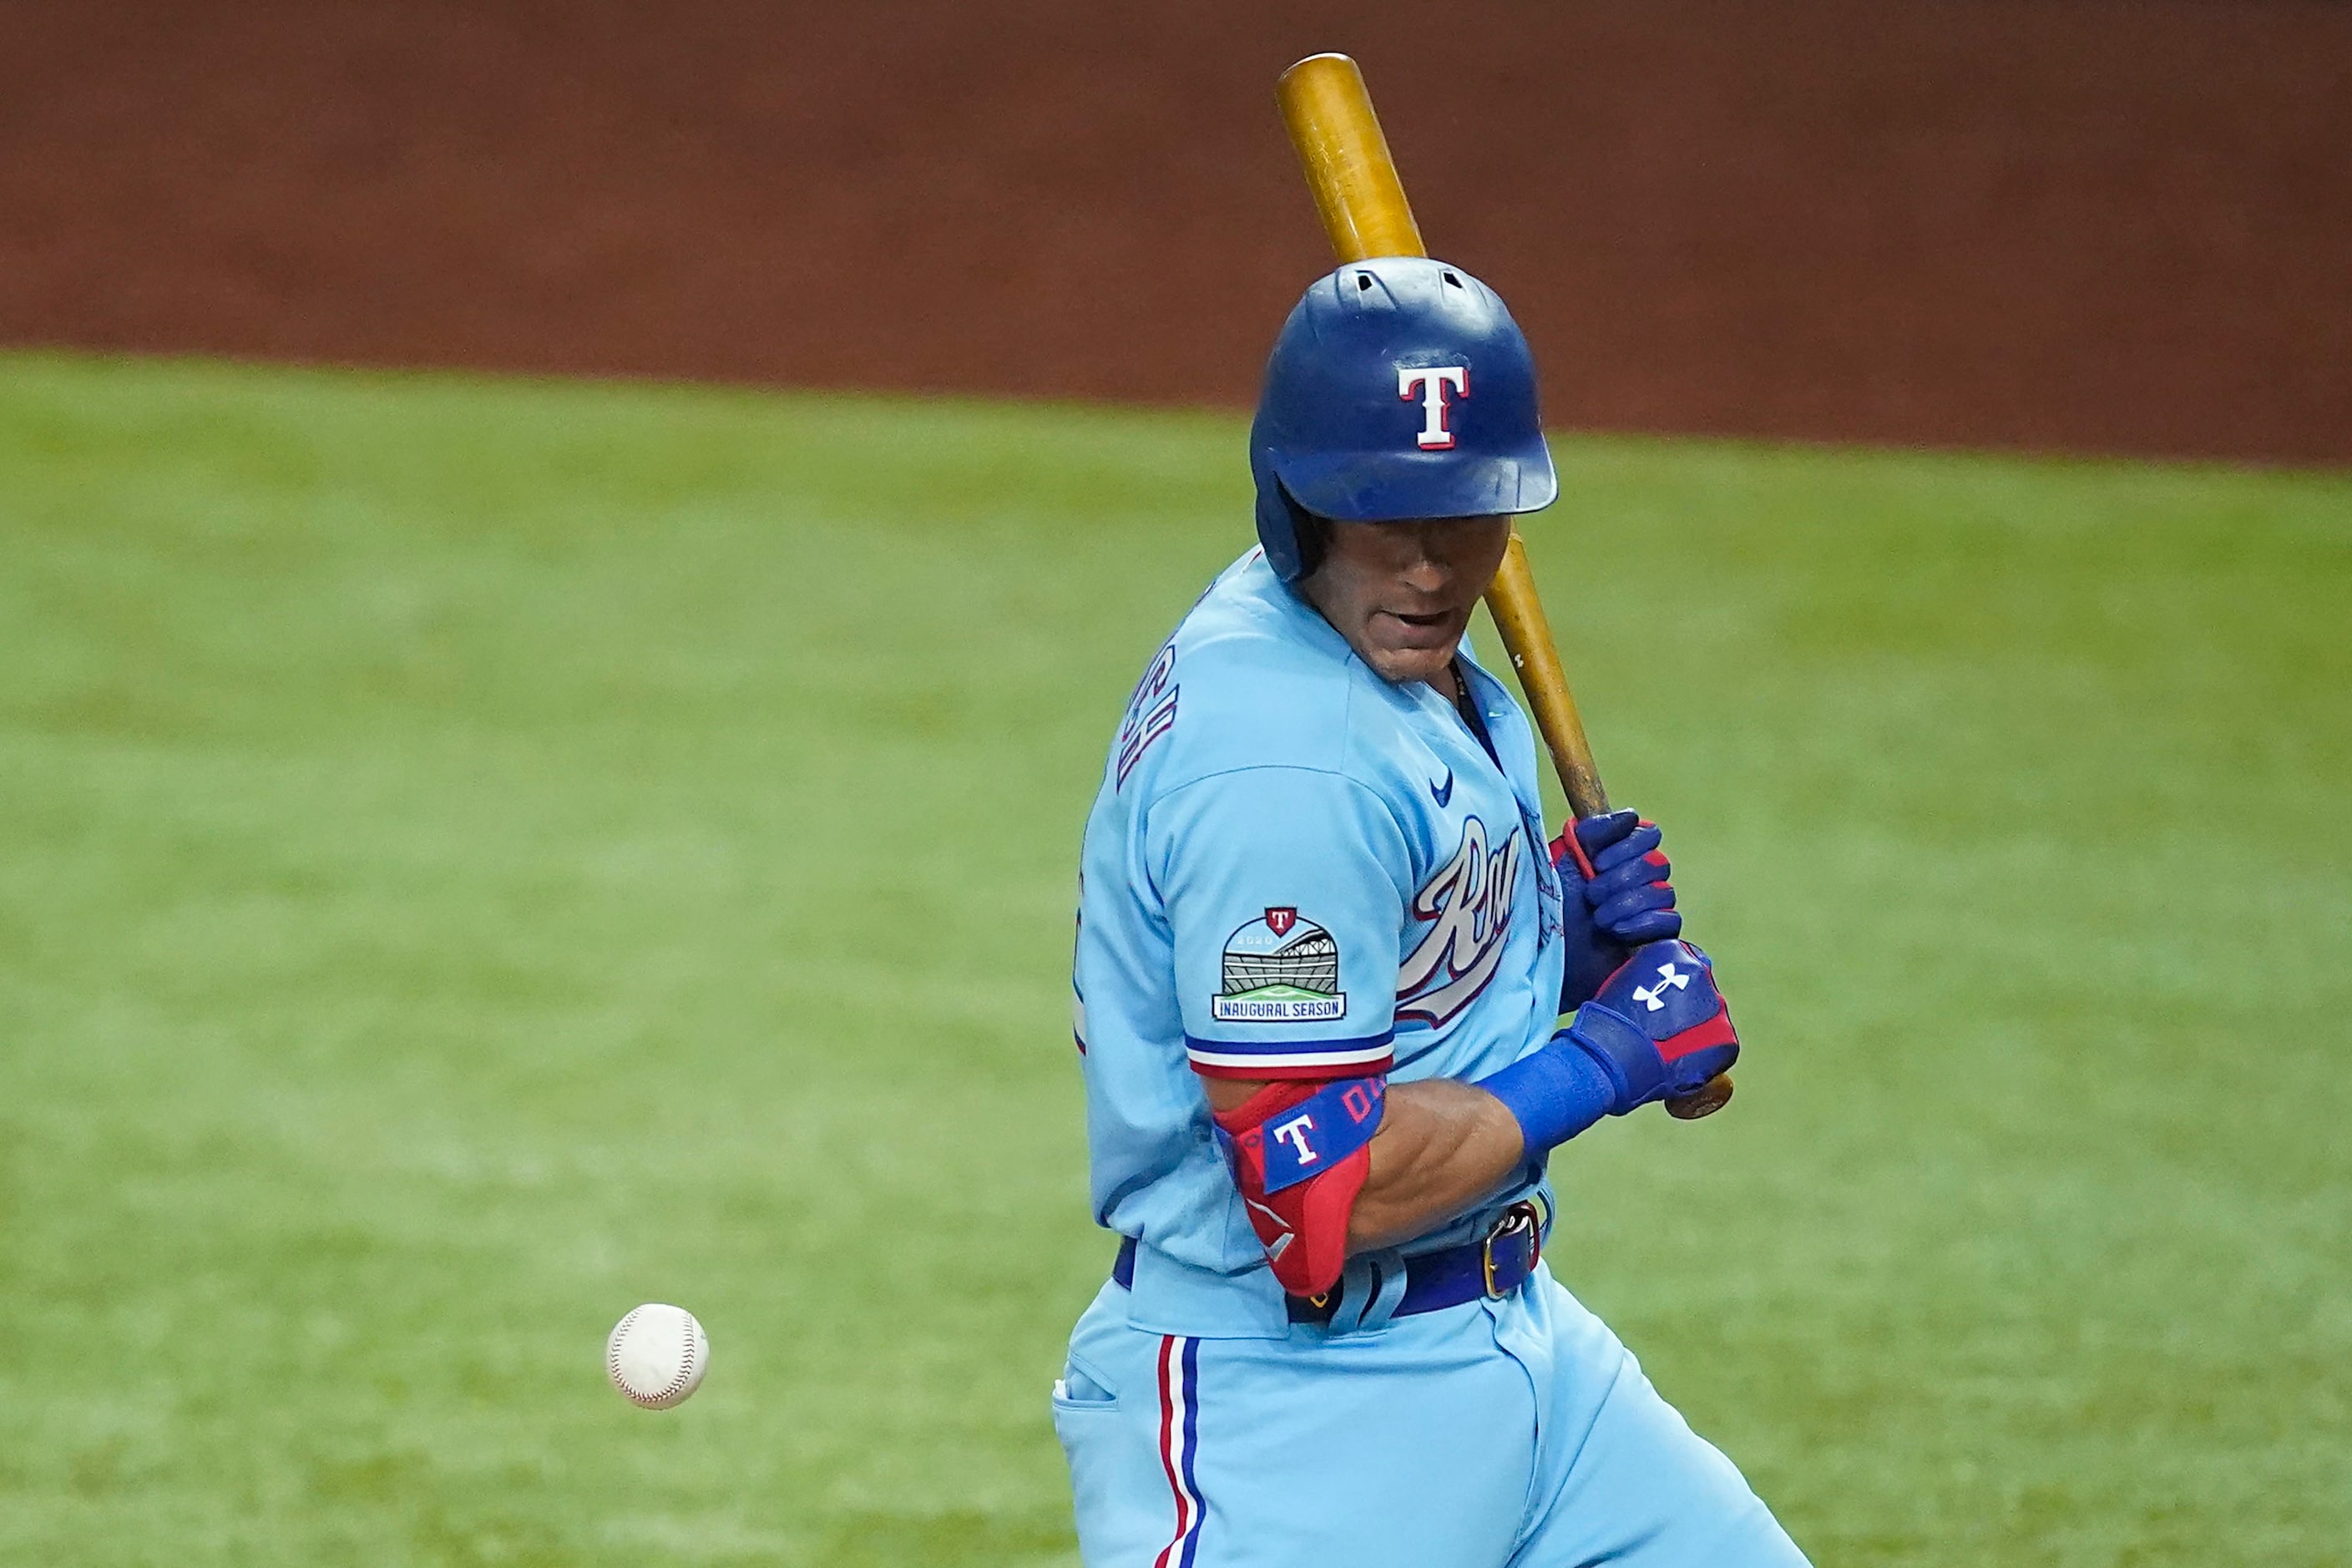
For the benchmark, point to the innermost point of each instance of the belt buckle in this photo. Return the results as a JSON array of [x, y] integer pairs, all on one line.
[[1520, 1216]]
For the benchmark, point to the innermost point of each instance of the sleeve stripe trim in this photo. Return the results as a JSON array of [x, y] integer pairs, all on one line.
[[1337, 1050], [1290, 1071], [1373, 1056]]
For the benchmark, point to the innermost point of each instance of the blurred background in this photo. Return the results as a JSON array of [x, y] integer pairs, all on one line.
[[566, 571], [2113, 228]]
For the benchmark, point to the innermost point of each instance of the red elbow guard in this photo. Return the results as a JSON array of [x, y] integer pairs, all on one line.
[[1300, 1153]]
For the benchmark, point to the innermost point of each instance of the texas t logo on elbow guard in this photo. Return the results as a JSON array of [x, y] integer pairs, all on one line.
[[1294, 1132]]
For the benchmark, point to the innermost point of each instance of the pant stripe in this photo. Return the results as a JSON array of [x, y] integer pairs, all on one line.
[[1179, 1435]]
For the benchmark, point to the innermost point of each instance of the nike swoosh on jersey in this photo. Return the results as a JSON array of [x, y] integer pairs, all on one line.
[[1442, 794]]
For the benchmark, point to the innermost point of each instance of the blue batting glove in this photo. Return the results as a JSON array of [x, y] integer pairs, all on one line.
[[1658, 1027], [1617, 896], [1657, 1030]]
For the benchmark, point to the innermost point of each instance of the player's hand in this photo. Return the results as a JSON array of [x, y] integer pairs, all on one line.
[[1658, 1027], [1614, 885]]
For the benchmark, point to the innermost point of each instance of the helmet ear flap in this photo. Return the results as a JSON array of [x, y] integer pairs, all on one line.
[[1313, 533], [1294, 539]]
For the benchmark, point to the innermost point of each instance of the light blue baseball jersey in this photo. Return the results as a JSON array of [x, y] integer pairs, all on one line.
[[1293, 870]]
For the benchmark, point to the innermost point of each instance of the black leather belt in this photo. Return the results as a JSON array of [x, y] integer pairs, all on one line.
[[1490, 1268]]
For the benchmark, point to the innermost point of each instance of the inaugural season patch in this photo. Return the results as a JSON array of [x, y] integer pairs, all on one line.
[[1280, 969]]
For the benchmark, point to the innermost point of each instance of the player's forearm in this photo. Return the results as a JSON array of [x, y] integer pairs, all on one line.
[[1443, 1148]]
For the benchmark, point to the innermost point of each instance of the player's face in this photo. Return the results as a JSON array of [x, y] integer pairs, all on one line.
[[1402, 593]]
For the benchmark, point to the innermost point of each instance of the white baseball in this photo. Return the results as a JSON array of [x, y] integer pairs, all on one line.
[[656, 1355]]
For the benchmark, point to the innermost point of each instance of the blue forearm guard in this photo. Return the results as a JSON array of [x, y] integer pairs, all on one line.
[[1556, 1093]]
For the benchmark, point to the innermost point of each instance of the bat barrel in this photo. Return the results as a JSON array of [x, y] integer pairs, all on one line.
[[1329, 112]]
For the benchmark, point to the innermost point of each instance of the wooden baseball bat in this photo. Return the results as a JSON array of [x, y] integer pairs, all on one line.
[[1329, 114]]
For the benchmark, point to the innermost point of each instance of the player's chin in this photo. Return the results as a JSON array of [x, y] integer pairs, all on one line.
[[1421, 658]]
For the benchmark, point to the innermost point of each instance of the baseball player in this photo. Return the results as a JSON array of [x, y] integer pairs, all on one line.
[[1323, 958]]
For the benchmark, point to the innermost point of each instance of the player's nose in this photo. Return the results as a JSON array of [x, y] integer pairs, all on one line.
[[1424, 573], [1425, 564]]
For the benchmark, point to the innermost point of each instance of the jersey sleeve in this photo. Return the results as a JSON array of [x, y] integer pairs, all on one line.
[[1285, 891]]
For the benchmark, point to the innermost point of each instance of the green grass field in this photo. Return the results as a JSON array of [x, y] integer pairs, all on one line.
[[476, 855]]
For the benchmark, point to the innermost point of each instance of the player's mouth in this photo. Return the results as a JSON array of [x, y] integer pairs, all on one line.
[[1434, 630]]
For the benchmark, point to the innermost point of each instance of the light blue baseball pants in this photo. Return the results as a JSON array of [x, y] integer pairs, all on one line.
[[1511, 1434]]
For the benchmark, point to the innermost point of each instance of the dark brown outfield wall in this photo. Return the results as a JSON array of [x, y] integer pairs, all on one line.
[[2109, 226]]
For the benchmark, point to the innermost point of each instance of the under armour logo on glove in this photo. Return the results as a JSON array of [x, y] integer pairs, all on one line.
[[1653, 997]]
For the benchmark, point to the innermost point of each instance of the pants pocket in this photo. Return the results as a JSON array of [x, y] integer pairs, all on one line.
[[1115, 1491], [1081, 1387]]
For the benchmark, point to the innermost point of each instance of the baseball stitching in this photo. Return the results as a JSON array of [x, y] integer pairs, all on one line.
[[678, 1380]]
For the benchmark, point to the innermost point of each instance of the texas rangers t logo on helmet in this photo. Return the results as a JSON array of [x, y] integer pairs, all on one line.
[[1431, 382]]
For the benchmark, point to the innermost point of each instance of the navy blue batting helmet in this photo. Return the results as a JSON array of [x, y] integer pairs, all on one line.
[[1400, 388]]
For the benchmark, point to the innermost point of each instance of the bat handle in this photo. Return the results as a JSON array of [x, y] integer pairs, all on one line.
[[1526, 635]]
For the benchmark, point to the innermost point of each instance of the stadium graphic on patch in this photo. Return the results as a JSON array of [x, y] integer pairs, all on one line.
[[1279, 969]]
